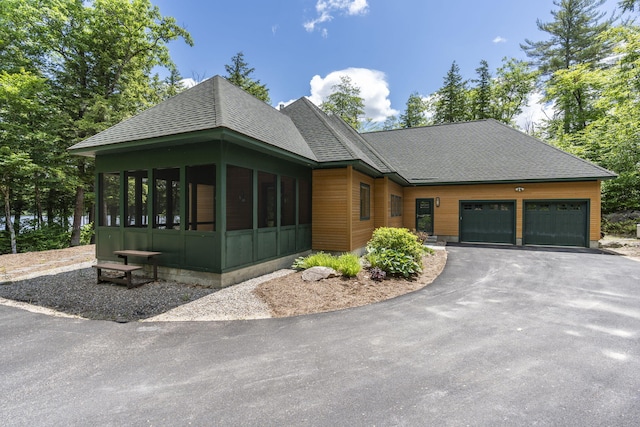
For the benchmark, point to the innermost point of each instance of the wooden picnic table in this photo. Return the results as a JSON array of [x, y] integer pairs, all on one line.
[[150, 256]]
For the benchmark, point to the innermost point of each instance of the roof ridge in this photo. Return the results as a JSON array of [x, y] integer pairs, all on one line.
[[323, 117]]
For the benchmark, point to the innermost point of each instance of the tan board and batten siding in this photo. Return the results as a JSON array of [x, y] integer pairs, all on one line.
[[336, 197], [446, 216], [336, 205]]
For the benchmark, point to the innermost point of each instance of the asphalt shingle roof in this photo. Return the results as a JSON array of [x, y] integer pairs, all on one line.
[[214, 103], [330, 138], [480, 151], [470, 152]]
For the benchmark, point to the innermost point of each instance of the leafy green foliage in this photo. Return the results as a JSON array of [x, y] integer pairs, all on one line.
[[396, 251], [86, 234], [414, 115], [345, 102], [620, 228], [347, 264], [394, 262], [68, 70]]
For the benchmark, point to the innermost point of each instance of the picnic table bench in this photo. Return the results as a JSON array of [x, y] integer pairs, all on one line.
[[127, 269]]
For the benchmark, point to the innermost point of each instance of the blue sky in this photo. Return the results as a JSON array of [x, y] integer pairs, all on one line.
[[390, 48]]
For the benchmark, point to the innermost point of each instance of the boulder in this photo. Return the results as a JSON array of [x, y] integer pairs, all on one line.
[[315, 274]]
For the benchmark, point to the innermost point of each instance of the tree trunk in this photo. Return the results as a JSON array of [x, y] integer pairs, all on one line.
[[77, 216], [7, 215]]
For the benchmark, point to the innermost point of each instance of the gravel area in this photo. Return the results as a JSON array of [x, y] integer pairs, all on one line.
[[76, 293]]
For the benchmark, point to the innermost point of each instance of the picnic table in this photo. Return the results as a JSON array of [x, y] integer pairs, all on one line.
[[126, 268]]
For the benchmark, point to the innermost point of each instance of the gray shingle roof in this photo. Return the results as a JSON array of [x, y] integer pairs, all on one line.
[[330, 138], [214, 103], [480, 151]]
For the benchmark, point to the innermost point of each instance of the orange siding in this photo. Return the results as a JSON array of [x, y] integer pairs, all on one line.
[[330, 228], [381, 194], [397, 190], [361, 229], [446, 220]]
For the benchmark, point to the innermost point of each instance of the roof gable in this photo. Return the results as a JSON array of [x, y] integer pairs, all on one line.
[[330, 138]]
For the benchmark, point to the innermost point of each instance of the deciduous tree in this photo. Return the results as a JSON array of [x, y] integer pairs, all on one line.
[[345, 102]]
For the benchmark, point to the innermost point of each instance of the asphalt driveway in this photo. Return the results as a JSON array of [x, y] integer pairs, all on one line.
[[502, 337]]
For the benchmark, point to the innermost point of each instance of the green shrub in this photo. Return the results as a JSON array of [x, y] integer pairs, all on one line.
[[86, 233], [347, 264], [395, 262], [396, 251], [399, 239], [621, 228]]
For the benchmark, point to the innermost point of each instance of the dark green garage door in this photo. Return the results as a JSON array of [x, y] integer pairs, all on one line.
[[488, 222], [561, 223]]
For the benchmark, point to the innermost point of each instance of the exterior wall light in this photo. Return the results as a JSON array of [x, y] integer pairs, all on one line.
[[519, 189], [437, 202]]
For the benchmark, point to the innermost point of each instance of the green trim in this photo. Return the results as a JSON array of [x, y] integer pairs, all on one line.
[[520, 181]]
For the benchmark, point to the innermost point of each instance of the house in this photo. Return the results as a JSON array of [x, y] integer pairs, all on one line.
[[228, 188]]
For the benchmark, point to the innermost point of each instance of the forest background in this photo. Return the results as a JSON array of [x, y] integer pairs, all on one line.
[[70, 69]]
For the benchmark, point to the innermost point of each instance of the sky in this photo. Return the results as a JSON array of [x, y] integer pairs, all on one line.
[[389, 48]]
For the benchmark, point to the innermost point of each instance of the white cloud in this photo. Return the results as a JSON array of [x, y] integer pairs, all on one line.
[[535, 113], [188, 82], [326, 10], [499, 39], [373, 85]]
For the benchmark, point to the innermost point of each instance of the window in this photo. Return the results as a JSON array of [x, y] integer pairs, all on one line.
[[110, 200], [201, 206], [365, 201], [304, 201], [267, 199], [396, 205], [288, 201], [239, 198], [166, 212], [137, 192]]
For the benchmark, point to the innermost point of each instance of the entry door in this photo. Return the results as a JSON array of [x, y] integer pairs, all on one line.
[[424, 215]]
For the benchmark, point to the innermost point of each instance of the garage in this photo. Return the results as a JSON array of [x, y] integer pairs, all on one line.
[[556, 222], [488, 221]]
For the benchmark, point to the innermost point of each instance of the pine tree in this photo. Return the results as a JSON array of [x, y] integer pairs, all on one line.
[[450, 105], [574, 40], [481, 100], [239, 74]]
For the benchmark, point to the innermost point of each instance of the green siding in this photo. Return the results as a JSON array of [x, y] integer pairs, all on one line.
[[216, 251]]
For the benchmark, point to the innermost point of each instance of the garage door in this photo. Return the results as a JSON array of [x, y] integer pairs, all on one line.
[[552, 222], [488, 221]]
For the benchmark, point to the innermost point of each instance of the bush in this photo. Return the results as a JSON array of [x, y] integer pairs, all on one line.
[[399, 239], [396, 251], [395, 262], [626, 227], [43, 239], [347, 264], [86, 234]]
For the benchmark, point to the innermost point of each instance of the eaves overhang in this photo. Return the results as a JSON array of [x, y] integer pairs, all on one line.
[[422, 182], [217, 134]]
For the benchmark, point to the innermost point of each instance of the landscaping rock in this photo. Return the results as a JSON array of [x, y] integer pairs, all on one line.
[[315, 274]]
